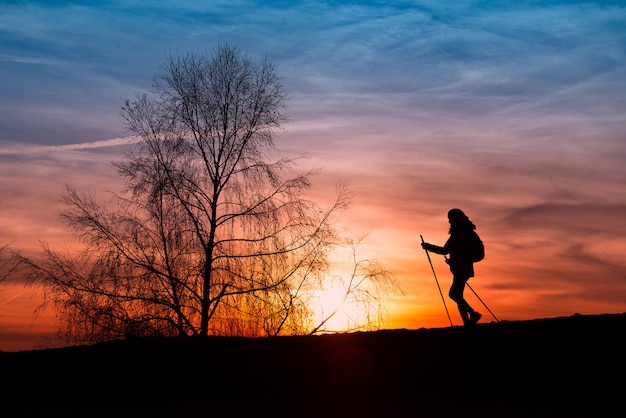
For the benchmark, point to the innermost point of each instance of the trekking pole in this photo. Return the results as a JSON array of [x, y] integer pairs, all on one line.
[[494, 317], [435, 274]]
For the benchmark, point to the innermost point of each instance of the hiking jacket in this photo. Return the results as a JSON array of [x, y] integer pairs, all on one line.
[[459, 247]]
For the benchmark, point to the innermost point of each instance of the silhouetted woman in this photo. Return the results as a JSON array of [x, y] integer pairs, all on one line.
[[461, 263]]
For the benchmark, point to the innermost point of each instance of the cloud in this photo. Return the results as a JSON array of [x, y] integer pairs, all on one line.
[[16, 149], [456, 60], [33, 178]]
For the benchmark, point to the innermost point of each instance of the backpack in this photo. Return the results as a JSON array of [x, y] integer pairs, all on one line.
[[478, 248]]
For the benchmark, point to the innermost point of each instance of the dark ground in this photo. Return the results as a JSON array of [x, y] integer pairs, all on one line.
[[560, 367]]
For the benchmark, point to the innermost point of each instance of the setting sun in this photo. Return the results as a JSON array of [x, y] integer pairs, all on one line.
[[337, 309]]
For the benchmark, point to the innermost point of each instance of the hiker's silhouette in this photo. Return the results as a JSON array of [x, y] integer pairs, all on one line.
[[459, 247]]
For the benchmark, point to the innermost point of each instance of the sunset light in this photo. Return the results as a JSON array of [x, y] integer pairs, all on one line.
[[338, 309]]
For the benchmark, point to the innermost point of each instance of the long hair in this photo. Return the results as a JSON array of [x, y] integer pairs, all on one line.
[[459, 222]]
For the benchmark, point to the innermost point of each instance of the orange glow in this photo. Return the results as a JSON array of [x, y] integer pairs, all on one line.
[[538, 262], [337, 308], [22, 325]]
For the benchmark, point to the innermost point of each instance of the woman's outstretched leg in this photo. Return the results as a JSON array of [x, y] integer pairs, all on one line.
[[469, 315]]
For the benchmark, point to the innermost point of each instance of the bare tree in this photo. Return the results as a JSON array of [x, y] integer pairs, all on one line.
[[210, 235]]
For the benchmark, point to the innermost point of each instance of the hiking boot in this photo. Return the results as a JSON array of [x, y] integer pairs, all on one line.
[[475, 317]]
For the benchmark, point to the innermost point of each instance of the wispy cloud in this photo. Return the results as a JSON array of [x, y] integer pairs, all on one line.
[[14, 148]]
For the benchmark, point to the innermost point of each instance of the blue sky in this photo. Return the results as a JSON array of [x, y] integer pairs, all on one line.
[[514, 111], [67, 66]]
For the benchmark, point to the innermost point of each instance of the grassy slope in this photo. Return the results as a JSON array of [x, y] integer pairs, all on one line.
[[570, 366]]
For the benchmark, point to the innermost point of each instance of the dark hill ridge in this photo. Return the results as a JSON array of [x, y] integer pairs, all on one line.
[[570, 366]]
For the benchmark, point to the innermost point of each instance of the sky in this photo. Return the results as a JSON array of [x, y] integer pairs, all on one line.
[[513, 111]]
